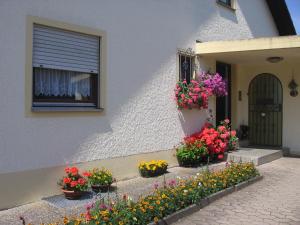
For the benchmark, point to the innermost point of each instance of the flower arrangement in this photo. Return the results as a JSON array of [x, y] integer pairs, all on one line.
[[174, 196], [196, 93], [193, 95], [73, 184], [217, 140], [153, 168], [214, 82], [99, 179], [191, 153]]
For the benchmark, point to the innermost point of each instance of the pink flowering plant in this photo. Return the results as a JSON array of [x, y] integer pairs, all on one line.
[[192, 95], [197, 92]]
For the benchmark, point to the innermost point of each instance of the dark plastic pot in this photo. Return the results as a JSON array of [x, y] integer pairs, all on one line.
[[72, 195]]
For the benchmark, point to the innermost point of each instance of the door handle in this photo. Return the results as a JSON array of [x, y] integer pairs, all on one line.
[[263, 114]]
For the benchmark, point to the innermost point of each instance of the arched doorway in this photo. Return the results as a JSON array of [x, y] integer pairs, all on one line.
[[265, 111]]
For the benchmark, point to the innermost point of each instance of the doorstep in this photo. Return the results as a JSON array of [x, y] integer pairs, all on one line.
[[255, 155]]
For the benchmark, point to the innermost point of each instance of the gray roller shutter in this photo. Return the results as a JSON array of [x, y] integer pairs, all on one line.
[[55, 48]]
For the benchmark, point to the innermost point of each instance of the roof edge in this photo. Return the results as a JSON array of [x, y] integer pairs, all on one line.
[[281, 17]]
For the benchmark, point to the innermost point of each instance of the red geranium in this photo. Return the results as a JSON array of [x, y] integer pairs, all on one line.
[[73, 181], [67, 180], [217, 140]]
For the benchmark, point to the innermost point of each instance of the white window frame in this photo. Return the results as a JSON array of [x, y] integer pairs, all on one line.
[[101, 98]]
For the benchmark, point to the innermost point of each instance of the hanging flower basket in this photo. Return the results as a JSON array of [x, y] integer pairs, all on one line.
[[196, 94], [193, 95]]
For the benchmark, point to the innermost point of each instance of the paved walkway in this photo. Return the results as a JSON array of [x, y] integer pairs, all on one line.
[[273, 200]]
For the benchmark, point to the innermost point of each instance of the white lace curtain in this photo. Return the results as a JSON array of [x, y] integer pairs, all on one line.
[[51, 82]]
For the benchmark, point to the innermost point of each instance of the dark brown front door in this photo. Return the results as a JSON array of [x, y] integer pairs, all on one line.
[[265, 111], [223, 104]]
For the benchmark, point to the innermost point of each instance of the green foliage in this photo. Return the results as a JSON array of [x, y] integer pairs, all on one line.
[[191, 155]]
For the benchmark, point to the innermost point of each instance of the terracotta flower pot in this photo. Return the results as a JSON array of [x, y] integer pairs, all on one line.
[[72, 195], [100, 188]]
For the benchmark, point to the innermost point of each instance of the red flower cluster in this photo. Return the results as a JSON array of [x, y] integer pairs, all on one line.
[[215, 139], [193, 95], [73, 181], [71, 170]]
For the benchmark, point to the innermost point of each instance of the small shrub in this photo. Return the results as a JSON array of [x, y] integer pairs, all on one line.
[[190, 155], [99, 176]]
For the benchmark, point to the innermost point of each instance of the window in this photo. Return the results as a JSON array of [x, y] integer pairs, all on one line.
[[227, 3], [186, 65], [66, 67]]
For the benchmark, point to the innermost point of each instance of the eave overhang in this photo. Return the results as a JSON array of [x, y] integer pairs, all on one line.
[[247, 50]]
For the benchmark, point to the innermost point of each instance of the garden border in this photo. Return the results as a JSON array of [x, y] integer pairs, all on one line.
[[204, 202]]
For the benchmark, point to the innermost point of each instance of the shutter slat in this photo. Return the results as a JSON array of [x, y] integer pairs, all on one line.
[[64, 34], [65, 43], [59, 49], [48, 45], [44, 55]]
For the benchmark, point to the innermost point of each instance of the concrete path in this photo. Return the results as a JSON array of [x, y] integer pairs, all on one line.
[[273, 200]]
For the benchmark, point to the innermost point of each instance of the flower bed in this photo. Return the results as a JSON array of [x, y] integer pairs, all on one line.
[[153, 168], [176, 195]]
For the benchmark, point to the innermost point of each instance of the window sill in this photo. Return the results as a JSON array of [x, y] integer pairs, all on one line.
[[66, 109], [226, 6]]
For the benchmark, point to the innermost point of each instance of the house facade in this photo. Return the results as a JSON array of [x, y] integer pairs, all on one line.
[[91, 83]]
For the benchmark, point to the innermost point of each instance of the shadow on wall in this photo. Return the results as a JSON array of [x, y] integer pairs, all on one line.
[[191, 119], [227, 14], [257, 12]]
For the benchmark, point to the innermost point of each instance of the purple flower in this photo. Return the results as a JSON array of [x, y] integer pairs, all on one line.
[[213, 82]]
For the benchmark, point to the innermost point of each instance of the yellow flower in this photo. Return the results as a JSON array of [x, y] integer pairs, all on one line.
[[156, 219]]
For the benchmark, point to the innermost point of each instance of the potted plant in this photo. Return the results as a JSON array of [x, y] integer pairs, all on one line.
[[99, 179], [191, 154], [73, 184], [153, 168]]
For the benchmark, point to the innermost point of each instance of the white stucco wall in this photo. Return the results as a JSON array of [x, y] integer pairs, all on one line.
[[284, 71], [141, 73]]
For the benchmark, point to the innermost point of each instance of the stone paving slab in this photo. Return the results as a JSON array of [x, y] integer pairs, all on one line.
[[55, 208], [274, 200]]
